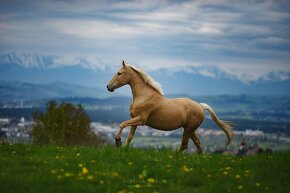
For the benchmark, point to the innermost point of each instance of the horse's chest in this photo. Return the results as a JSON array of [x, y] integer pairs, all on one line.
[[135, 110], [132, 113]]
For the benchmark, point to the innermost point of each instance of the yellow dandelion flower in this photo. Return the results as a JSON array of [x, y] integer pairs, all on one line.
[[225, 173], [140, 176], [238, 176], [122, 191], [67, 174], [130, 163], [186, 169], [115, 174], [228, 168], [101, 182], [90, 177], [258, 184], [240, 187], [78, 154], [56, 157], [80, 165], [150, 180], [85, 170], [137, 186]]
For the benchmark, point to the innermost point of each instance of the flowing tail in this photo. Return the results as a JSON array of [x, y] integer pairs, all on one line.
[[224, 125]]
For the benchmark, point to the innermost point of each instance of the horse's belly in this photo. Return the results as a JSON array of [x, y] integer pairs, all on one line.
[[163, 127], [166, 120]]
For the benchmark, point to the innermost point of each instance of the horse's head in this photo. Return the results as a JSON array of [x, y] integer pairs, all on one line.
[[121, 78]]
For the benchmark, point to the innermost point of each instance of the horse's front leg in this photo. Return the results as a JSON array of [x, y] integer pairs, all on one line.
[[132, 122]]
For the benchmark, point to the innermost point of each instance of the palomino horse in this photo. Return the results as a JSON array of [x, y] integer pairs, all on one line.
[[149, 107]]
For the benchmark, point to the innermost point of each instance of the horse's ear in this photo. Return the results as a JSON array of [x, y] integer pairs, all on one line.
[[124, 63]]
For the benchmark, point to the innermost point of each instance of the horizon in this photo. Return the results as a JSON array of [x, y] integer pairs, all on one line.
[[130, 96]]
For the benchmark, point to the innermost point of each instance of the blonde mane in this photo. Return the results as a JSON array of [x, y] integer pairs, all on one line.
[[148, 79]]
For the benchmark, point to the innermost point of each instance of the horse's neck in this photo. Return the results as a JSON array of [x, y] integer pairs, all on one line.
[[139, 88]]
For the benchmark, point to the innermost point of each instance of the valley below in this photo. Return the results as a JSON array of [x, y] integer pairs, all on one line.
[[258, 120]]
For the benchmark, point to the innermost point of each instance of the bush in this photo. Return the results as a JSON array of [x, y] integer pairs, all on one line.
[[65, 124]]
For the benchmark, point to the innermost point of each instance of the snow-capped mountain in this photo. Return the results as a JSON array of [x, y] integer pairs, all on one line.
[[34, 60], [31, 60], [89, 71], [26, 60]]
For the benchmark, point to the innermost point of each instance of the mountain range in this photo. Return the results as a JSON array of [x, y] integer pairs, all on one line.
[[32, 75]]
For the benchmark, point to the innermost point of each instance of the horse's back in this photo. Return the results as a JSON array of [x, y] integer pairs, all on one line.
[[194, 110]]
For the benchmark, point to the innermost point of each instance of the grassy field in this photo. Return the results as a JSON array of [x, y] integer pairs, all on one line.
[[26, 168]]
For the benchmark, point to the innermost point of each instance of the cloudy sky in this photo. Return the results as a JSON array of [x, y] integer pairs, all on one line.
[[245, 39]]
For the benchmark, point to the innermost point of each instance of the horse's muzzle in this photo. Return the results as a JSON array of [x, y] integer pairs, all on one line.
[[110, 89]]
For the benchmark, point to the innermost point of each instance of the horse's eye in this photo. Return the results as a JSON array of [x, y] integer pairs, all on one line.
[[119, 73]]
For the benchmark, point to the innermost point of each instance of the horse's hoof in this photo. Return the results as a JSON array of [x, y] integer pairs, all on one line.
[[118, 142]]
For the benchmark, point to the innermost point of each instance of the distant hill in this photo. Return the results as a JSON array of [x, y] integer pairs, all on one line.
[[28, 91]]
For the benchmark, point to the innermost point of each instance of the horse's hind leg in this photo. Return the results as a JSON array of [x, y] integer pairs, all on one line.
[[196, 142], [185, 139]]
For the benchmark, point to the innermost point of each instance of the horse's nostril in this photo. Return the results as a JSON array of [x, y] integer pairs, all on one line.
[[109, 88]]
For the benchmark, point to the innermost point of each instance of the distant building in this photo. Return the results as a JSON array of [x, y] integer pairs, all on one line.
[[4, 121]]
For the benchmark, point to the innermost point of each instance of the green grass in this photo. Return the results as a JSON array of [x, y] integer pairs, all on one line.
[[27, 168]]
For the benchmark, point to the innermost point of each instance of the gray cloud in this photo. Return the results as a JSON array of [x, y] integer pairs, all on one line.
[[235, 37]]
